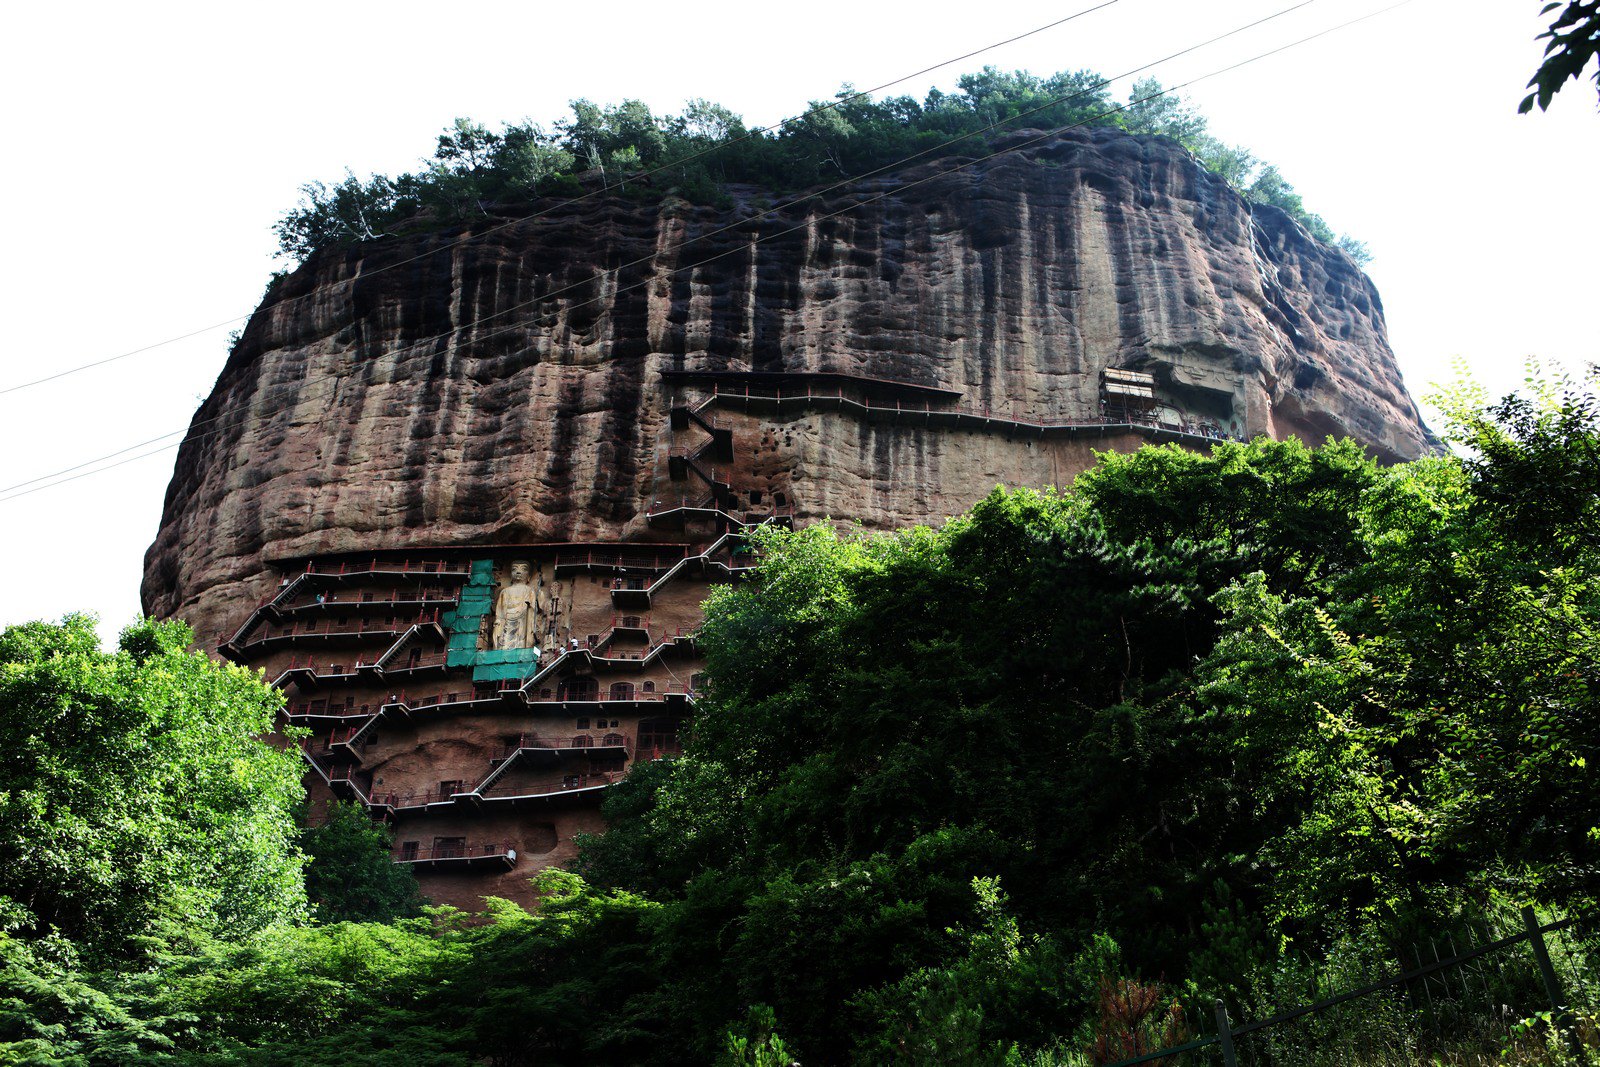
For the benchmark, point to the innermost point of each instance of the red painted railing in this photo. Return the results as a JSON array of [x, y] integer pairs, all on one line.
[[1114, 417], [454, 852], [342, 736], [323, 709], [584, 742], [431, 659], [367, 600], [386, 566], [331, 670], [324, 745], [559, 695], [410, 800], [340, 628], [555, 786], [435, 699], [603, 558]]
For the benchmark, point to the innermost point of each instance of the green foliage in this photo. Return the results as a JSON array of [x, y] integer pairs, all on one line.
[[133, 785], [1574, 39], [352, 210], [569, 983], [478, 173], [759, 1045], [1151, 109], [1208, 706], [1240, 725], [1543, 1039], [995, 984], [51, 1014], [1008, 697], [352, 876]]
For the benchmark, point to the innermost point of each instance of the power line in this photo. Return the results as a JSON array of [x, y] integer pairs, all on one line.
[[810, 193], [782, 233], [97, 459], [8, 494], [708, 150]]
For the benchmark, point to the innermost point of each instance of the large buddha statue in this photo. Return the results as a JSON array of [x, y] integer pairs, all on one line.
[[514, 608]]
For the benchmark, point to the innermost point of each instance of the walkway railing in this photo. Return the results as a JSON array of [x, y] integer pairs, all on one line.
[[386, 566], [976, 417], [331, 670], [344, 735], [325, 709], [370, 602], [616, 559], [580, 742], [338, 628], [556, 786], [455, 852], [559, 695], [708, 558], [421, 663], [598, 657], [445, 699], [391, 799]]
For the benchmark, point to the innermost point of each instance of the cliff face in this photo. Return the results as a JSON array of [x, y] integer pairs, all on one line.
[[516, 387]]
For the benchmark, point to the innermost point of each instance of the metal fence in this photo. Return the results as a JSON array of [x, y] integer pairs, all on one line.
[[1454, 1001]]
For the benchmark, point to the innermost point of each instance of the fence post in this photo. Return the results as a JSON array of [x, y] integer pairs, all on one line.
[[1225, 1036], [1552, 987]]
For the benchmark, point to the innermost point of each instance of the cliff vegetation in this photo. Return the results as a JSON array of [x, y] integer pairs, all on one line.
[[478, 173]]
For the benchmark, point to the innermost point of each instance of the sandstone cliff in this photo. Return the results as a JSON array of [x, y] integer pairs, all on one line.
[[511, 388]]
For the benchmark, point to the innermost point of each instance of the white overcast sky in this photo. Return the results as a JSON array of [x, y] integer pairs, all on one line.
[[151, 146]]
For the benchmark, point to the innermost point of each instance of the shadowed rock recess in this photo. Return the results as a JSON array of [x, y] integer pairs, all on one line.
[[611, 391]]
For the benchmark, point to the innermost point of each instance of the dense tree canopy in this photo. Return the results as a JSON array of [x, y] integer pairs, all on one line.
[[1269, 698], [954, 796], [476, 172], [133, 786], [350, 875]]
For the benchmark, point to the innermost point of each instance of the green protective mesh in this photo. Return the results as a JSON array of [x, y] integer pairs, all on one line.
[[495, 657], [475, 600], [505, 672], [488, 665]]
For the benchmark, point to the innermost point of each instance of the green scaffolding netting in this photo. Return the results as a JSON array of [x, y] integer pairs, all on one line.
[[476, 600], [505, 672]]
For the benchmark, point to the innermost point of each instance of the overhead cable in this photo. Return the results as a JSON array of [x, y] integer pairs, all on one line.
[[634, 178], [8, 493]]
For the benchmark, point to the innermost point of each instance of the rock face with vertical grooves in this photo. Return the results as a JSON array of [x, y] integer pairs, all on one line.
[[514, 387]]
